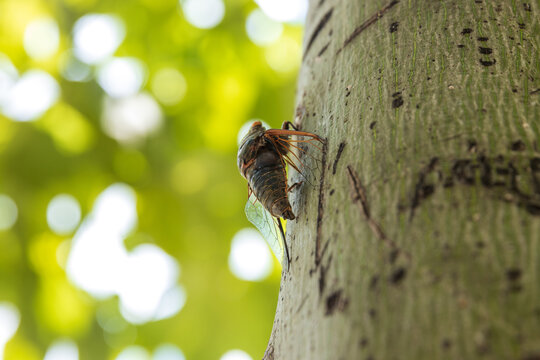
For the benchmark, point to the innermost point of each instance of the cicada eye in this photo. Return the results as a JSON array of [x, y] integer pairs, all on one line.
[[256, 123]]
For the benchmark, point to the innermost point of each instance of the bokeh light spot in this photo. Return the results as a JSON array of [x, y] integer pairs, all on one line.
[[261, 29], [99, 241], [250, 258], [96, 37], [110, 320], [70, 130], [33, 94], [41, 38], [146, 277], [10, 319], [204, 14], [8, 212], [169, 86], [235, 355], [61, 308], [73, 69], [8, 77], [284, 55], [63, 214], [121, 77], [42, 254], [62, 350], [99, 263], [168, 352], [131, 119], [284, 10], [134, 353], [171, 303]]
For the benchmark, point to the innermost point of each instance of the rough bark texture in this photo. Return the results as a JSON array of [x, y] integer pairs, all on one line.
[[422, 239]]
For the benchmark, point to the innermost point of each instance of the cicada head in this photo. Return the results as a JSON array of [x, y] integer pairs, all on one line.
[[247, 151]]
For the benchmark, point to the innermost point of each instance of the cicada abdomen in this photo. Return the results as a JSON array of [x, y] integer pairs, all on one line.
[[262, 159]]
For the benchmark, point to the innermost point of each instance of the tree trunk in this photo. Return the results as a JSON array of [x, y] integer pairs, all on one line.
[[422, 239]]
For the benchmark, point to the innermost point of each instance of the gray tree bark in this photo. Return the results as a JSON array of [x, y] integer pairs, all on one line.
[[422, 239]]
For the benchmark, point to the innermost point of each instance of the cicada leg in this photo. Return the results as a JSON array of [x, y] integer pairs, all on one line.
[[287, 125], [284, 243], [250, 191], [295, 185]]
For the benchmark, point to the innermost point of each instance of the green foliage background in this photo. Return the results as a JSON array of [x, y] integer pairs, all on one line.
[[190, 196]]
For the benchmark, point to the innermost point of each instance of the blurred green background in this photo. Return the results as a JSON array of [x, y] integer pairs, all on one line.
[[122, 226]]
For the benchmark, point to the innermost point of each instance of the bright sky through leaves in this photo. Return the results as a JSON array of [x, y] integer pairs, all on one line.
[[62, 350], [41, 38], [63, 214], [96, 37], [250, 258]]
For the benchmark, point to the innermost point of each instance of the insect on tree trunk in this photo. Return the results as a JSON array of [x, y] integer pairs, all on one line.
[[422, 239]]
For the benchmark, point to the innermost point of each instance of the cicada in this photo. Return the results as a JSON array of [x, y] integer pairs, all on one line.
[[263, 157]]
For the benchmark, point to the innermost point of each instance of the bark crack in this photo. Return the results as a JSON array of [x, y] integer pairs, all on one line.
[[358, 195], [370, 21], [338, 156], [320, 212], [322, 23]]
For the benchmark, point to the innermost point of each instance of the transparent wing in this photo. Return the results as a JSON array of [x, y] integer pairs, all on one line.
[[302, 152], [267, 226]]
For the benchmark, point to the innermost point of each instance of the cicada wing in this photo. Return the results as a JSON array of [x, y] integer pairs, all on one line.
[[267, 226]]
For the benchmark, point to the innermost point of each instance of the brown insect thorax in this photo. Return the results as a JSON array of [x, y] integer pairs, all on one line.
[[262, 165]]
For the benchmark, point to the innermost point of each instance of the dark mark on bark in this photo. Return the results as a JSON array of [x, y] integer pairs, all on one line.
[[482, 38], [393, 256], [302, 304], [394, 27], [322, 23], [398, 275], [336, 301], [527, 7], [332, 192], [363, 342], [517, 145], [370, 21], [338, 156], [358, 195], [472, 146], [422, 190], [446, 344], [324, 48], [320, 208], [397, 102], [521, 26], [372, 125], [488, 62], [513, 274], [514, 180], [466, 31], [461, 46], [535, 91], [322, 276], [532, 356], [373, 282], [485, 50]]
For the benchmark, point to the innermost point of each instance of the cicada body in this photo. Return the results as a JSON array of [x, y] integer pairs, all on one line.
[[262, 159]]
